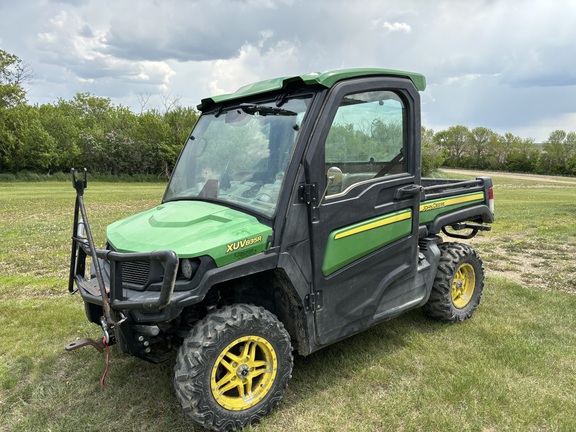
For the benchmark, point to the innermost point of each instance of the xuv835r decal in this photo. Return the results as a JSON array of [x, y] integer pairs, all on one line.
[[232, 247]]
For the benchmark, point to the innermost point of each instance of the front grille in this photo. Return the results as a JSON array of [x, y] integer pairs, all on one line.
[[136, 272]]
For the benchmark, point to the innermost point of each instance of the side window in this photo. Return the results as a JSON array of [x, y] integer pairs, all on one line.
[[366, 140]]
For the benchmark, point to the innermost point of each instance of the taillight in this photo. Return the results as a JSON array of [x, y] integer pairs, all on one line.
[[491, 199]]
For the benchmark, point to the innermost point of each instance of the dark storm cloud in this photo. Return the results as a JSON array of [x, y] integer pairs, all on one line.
[[194, 46], [191, 31], [490, 63], [199, 31]]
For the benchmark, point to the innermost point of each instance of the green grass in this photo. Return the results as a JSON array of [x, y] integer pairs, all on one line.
[[512, 367]]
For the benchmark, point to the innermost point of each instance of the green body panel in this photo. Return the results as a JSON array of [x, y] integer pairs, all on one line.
[[191, 229], [326, 79], [429, 210], [350, 243], [353, 242]]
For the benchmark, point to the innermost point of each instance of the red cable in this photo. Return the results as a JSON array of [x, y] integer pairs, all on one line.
[[103, 380]]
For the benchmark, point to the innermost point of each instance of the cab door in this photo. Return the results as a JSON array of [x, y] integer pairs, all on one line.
[[363, 168]]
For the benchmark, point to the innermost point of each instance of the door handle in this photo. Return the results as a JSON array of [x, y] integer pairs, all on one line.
[[408, 191]]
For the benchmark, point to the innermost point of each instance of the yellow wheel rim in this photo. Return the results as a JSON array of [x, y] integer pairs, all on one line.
[[463, 285], [244, 373]]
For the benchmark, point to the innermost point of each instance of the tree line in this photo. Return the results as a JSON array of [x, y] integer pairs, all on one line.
[[86, 131], [90, 131], [110, 139], [484, 149]]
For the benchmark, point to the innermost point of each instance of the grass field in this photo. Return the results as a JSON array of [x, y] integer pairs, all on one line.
[[512, 367]]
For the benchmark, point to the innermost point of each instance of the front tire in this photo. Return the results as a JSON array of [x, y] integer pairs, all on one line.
[[233, 367], [458, 284]]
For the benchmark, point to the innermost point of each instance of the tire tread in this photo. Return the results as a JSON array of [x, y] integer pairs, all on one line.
[[440, 305], [207, 339]]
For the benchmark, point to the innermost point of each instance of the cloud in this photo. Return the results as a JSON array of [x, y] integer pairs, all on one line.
[[79, 47], [187, 31], [253, 64], [547, 65], [542, 127], [391, 27], [488, 62], [70, 2]]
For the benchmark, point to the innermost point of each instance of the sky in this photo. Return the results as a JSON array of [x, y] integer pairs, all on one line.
[[508, 65]]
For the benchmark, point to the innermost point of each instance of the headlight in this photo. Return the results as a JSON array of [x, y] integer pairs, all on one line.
[[188, 267]]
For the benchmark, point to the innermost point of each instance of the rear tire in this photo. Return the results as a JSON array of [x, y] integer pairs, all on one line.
[[233, 367], [458, 284]]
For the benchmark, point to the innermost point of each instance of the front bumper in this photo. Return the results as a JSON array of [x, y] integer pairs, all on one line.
[[124, 298], [152, 300]]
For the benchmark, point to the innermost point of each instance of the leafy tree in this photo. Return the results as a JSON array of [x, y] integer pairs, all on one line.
[[432, 154], [385, 140], [61, 123], [343, 140], [479, 139], [180, 121], [153, 136], [523, 157], [558, 152], [500, 147], [571, 165], [456, 142], [13, 75], [24, 144], [121, 153]]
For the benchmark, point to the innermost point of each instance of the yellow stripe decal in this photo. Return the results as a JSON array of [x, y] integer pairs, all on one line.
[[375, 224], [434, 205]]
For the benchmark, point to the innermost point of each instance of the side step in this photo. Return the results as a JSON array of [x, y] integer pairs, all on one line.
[[463, 226]]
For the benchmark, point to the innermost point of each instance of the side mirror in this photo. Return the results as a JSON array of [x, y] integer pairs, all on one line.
[[334, 175], [333, 183]]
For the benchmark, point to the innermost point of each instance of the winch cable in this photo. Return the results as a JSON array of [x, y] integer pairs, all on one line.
[[103, 379]]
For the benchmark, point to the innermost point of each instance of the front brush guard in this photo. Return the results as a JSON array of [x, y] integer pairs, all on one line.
[[94, 290], [90, 289], [112, 297]]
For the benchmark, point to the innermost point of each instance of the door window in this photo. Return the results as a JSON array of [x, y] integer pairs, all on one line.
[[366, 140]]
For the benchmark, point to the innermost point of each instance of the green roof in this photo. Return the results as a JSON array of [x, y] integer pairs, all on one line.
[[326, 79]]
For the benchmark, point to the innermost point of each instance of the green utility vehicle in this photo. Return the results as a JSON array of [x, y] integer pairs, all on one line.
[[295, 217]]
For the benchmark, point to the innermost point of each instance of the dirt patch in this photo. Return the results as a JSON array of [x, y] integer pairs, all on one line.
[[549, 267], [532, 257]]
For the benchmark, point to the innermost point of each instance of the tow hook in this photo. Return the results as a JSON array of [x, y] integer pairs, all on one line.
[[98, 344]]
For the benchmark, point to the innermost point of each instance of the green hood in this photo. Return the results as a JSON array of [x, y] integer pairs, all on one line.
[[191, 229]]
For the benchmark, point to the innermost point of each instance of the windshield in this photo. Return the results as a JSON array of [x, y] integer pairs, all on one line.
[[239, 156]]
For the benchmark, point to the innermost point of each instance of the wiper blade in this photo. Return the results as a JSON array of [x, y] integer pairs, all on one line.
[[264, 110]]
